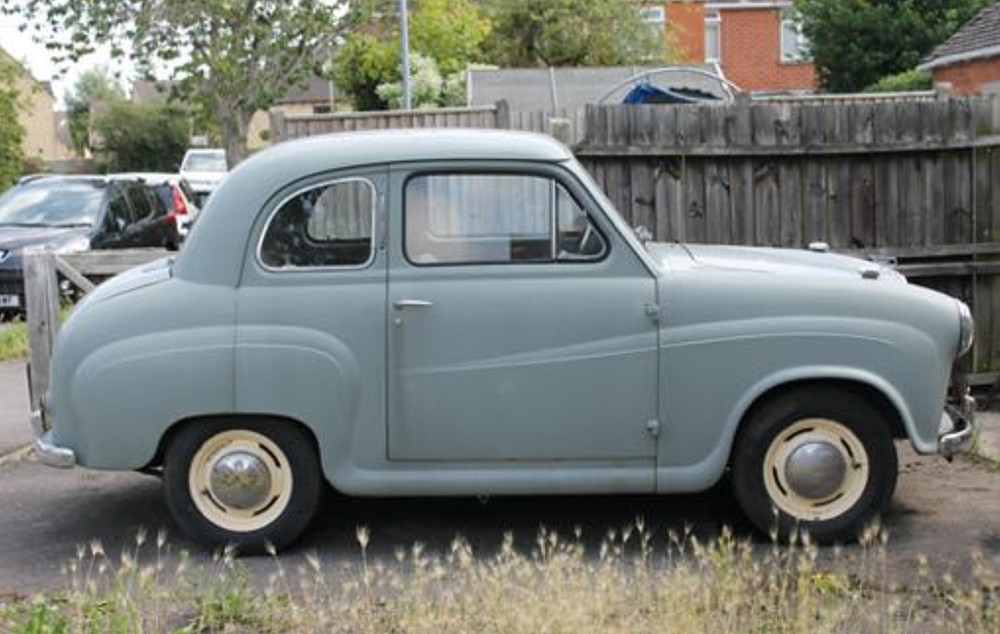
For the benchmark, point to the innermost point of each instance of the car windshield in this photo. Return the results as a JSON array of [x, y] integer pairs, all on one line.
[[205, 162], [52, 203]]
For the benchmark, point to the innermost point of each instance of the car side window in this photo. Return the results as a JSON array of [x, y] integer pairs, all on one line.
[[323, 226], [119, 214], [142, 203], [495, 218]]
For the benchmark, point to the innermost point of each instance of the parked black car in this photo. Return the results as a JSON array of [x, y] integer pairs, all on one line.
[[69, 214]]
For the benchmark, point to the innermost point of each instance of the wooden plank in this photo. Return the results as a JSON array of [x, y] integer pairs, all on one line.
[[643, 194], [766, 150], [887, 201], [982, 211], [862, 203], [72, 274], [42, 308], [933, 187], [950, 269], [957, 199], [718, 207], [695, 222], [767, 205], [933, 251], [112, 262], [838, 210], [670, 224], [814, 197], [790, 195], [741, 201]]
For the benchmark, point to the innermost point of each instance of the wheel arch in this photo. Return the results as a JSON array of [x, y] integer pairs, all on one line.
[[889, 406], [171, 432]]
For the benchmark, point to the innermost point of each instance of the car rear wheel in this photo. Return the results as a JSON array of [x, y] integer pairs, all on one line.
[[819, 460], [249, 483]]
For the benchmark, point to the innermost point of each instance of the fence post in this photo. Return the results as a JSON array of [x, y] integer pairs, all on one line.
[[41, 290], [503, 115], [277, 121]]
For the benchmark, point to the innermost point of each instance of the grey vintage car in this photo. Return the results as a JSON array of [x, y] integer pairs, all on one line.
[[424, 313]]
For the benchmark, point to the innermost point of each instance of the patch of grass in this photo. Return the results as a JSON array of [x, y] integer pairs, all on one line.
[[14, 338], [14, 341], [635, 583]]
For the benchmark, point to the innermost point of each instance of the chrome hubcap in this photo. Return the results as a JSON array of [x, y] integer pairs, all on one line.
[[240, 480], [815, 470]]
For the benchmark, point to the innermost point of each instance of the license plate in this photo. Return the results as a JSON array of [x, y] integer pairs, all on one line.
[[10, 301]]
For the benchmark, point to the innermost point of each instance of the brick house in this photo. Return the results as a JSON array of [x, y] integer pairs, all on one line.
[[38, 117], [757, 43], [970, 59]]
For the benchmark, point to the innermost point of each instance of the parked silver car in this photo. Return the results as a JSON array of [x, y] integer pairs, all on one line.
[[464, 313]]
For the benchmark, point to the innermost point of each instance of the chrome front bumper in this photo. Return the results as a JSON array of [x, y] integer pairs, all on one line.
[[48, 451], [958, 427]]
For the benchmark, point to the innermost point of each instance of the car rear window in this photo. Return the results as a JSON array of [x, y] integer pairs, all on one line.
[[205, 162]]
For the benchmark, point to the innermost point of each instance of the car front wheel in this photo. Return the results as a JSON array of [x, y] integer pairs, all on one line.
[[251, 484], [818, 460]]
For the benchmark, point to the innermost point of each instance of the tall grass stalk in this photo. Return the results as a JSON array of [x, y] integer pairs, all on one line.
[[635, 582]]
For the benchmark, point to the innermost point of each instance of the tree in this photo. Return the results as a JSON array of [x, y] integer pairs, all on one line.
[[448, 33], [228, 58], [94, 87], [427, 87], [141, 138], [855, 43], [11, 131], [572, 33]]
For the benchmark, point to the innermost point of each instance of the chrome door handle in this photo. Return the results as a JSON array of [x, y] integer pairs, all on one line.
[[400, 304]]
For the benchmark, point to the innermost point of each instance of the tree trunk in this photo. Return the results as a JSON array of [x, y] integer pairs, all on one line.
[[235, 124]]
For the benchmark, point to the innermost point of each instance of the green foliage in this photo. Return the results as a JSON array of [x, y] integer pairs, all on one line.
[[855, 43], [229, 59], [361, 65], [904, 81], [94, 88], [428, 89], [141, 138], [11, 132], [450, 33], [571, 33]]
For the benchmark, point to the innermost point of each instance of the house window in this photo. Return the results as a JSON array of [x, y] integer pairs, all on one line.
[[713, 40], [656, 17], [794, 44]]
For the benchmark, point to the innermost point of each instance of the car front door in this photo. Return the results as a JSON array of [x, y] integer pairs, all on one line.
[[519, 323]]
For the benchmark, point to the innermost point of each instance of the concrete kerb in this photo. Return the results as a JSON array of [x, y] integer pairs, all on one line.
[[15, 423]]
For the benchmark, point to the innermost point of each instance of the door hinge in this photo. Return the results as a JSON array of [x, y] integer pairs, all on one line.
[[653, 427], [653, 312]]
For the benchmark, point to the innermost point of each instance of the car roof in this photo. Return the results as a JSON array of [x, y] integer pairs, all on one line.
[[76, 178], [232, 208]]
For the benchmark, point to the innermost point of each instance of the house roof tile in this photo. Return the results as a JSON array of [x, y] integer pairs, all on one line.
[[979, 37]]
